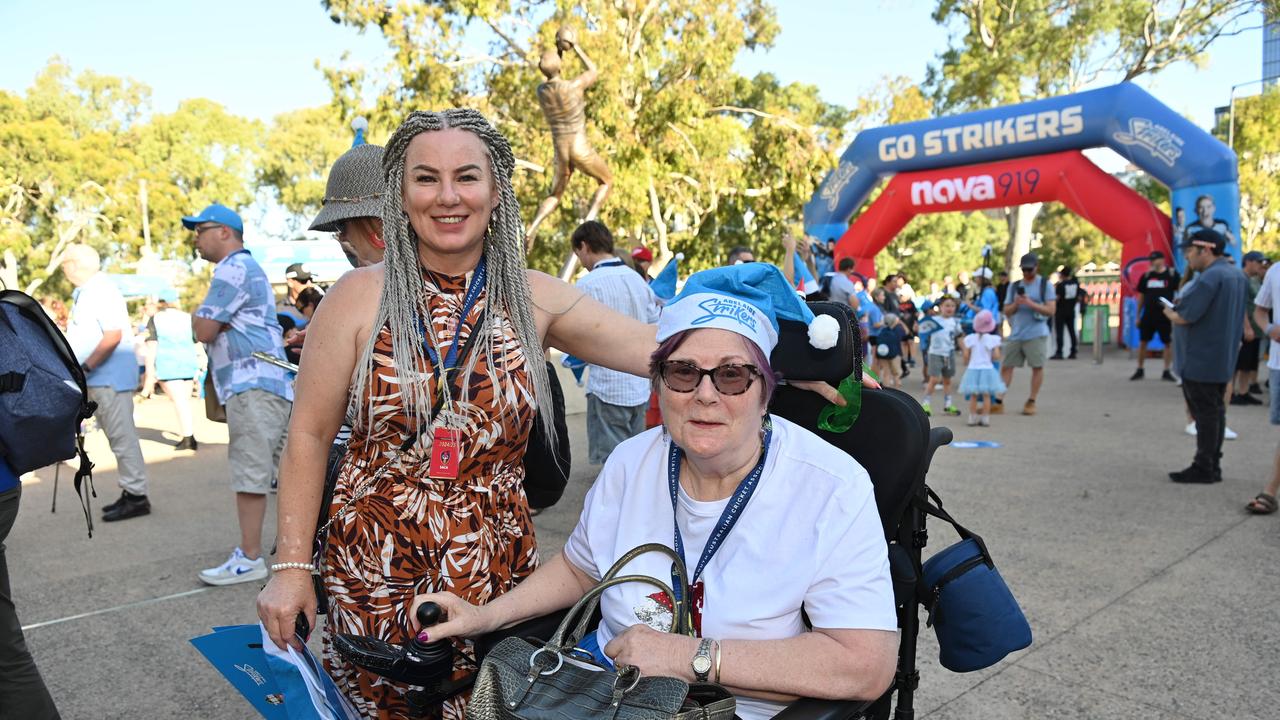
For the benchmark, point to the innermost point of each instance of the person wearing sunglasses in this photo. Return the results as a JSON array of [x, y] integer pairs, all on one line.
[[774, 523]]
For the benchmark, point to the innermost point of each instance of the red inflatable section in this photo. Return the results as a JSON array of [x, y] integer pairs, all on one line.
[[1067, 177]]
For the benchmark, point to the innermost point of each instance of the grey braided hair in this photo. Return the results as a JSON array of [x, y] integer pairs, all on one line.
[[403, 298]]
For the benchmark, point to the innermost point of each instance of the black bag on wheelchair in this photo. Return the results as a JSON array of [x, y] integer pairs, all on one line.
[[976, 618]]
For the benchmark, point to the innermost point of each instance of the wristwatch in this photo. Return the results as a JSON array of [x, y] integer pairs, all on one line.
[[701, 662]]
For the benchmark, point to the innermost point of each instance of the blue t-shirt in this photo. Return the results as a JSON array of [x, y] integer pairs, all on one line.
[[8, 478], [1027, 323], [98, 308], [893, 338], [874, 316], [240, 296]]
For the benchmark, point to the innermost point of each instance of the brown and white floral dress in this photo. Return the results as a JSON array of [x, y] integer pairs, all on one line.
[[410, 534]]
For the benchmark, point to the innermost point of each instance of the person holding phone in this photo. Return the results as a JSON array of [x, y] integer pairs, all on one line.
[[1157, 286], [1208, 320]]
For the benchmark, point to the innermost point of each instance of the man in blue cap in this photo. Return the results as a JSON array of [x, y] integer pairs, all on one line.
[[237, 319], [1207, 325]]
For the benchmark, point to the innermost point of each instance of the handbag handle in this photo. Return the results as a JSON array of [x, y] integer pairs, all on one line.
[[937, 511], [683, 623], [561, 641]]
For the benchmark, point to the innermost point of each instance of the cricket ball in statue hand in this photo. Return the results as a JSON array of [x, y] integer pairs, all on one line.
[[566, 38]]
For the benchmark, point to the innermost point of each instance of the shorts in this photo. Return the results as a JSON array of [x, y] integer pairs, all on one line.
[[941, 365], [1031, 352], [257, 423], [1161, 326], [1247, 359]]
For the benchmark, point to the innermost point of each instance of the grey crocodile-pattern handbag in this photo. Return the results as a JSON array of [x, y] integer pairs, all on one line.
[[520, 681]]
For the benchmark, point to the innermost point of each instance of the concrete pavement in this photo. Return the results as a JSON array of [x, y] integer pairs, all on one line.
[[1147, 599]]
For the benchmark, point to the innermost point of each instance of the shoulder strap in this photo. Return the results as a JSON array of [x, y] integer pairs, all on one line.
[[1044, 288]]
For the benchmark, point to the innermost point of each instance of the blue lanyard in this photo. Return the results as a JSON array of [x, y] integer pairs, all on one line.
[[607, 263], [473, 294], [728, 518]]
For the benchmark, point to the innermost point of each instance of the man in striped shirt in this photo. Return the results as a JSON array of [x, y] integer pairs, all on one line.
[[616, 401]]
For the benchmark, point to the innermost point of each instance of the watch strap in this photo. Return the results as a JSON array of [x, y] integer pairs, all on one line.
[[701, 663]]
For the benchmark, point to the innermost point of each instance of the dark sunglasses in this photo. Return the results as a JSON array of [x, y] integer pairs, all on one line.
[[206, 228], [728, 379]]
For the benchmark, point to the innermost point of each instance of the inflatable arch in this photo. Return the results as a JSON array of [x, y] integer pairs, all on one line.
[[1199, 170]]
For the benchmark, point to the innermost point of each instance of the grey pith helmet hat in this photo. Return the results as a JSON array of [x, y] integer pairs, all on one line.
[[354, 189]]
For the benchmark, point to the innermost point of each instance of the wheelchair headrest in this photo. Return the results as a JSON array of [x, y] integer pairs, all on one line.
[[891, 440], [796, 359]]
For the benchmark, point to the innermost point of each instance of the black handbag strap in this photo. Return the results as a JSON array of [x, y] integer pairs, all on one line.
[[936, 510]]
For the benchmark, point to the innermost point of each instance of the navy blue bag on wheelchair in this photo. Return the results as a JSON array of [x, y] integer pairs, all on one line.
[[976, 618]]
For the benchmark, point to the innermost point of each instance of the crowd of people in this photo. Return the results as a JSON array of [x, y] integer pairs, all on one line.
[[398, 448]]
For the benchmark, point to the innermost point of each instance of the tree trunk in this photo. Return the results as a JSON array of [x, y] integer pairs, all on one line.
[[1019, 220]]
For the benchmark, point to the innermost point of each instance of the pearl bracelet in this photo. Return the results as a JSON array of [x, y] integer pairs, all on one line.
[[277, 567]]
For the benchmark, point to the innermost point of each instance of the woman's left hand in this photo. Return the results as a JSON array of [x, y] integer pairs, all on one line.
[[654, 653]]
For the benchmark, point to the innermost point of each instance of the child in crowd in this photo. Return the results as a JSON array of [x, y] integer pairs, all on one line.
[[941, 355], [924, 329], [875, 319], [889, 352], [981, 380]]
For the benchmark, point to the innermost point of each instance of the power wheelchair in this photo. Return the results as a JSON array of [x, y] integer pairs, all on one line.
[[892, 439]]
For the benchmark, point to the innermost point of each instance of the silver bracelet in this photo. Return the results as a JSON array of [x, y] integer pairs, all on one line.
[[277, 567]]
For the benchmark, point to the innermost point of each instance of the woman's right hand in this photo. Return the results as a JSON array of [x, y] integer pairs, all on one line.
[[288, 593], [462, 619]]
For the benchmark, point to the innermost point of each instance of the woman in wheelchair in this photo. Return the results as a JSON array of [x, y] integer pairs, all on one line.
[[790, 579]]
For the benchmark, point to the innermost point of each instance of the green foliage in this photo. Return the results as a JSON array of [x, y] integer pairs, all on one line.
[[694, 147], [298, 151], [75, 153], [1006, 52], [1068, 239], [934, 246], [1257, 143]]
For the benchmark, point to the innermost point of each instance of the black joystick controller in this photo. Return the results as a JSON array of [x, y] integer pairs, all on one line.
[[437, 654], [428, 664]]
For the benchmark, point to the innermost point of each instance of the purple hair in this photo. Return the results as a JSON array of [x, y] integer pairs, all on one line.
[[667, 347]]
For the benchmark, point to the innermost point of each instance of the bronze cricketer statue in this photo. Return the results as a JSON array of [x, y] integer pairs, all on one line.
[[564, 105]]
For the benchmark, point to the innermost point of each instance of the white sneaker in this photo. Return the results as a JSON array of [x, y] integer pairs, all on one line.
[[1227, 433], [237, 569], [984, 421]]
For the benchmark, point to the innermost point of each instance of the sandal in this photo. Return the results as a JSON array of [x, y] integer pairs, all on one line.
[[1263, 504]]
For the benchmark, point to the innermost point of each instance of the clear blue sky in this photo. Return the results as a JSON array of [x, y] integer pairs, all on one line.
[[258, 57]]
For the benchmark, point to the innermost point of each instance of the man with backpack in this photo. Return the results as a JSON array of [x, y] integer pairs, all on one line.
[[101, 336], [236, 319], [1029, 305]]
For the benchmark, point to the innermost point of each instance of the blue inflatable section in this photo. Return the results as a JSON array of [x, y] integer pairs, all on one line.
[[1124, 117]]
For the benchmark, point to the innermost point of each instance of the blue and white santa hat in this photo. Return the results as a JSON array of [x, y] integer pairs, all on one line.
[[664, 286], [748, 299]]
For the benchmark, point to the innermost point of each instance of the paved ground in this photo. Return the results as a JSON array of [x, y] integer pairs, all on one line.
[[1147, 599]]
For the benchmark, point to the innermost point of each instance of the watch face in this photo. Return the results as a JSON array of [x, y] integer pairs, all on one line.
[[701, 664]]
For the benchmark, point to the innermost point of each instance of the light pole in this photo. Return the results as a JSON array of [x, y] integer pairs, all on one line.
[[1231, 112]]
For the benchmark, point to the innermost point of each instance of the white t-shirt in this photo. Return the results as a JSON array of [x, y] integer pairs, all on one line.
[[980, 346], [943, 340], [1269, 297], [809, 537]]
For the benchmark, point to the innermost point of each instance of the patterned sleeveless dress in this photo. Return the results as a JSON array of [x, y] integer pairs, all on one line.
[[410, 534]]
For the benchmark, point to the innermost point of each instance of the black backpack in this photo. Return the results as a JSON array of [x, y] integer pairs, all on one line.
[[43, 395]]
